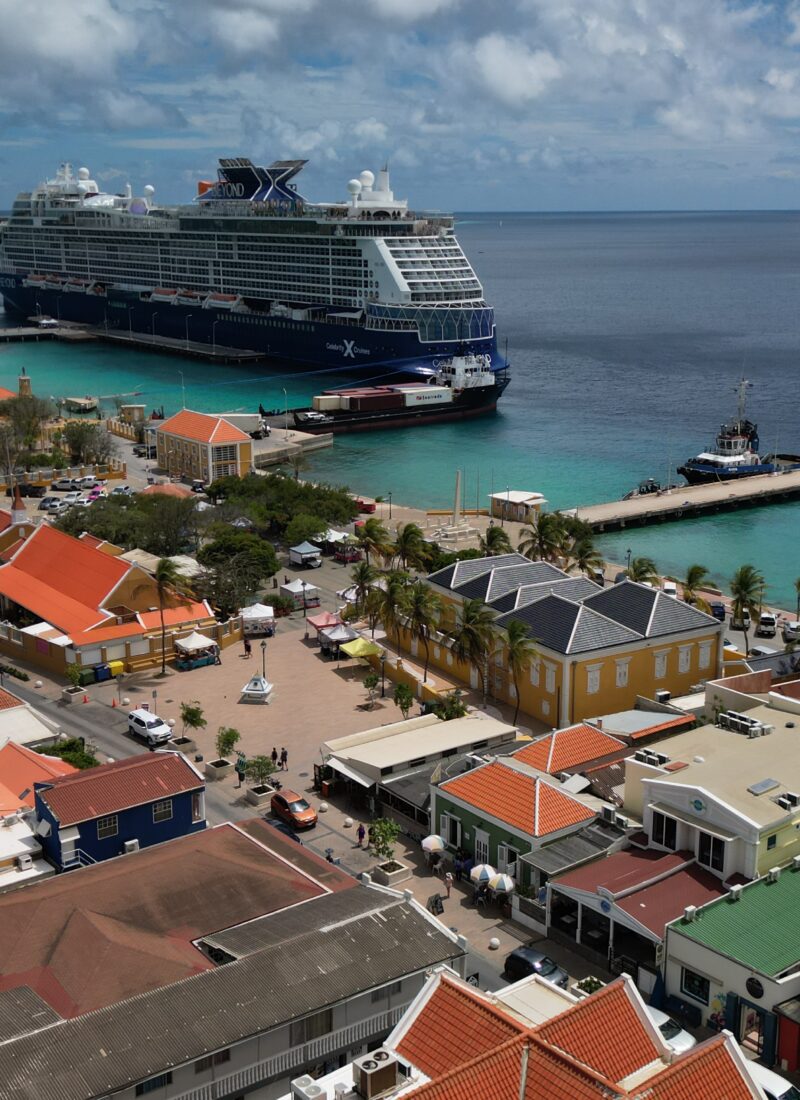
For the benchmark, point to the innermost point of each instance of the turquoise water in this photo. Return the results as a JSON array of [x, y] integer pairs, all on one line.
[[626, 334]]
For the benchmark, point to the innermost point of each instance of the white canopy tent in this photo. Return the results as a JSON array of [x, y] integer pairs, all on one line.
[[194, 642], [258, 618], [301, 591]]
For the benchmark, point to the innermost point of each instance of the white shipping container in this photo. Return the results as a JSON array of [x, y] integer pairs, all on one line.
[[428, 395], [326, 402]]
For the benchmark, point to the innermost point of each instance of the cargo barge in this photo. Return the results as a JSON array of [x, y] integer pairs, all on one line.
[[463, 386]]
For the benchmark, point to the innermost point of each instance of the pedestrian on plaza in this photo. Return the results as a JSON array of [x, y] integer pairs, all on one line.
[[217, 658], [248, 648], [241, 771], [448, 883], [274, 755], [436, 860], [458, 865], [370, 837], [361, 832], [284, 760]]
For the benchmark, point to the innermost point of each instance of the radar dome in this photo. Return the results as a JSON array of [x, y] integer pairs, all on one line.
[[83, 173], [149, 190], [367, 179], [354, 187]]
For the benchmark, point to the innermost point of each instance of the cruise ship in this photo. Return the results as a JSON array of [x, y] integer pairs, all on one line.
[[250, 264]]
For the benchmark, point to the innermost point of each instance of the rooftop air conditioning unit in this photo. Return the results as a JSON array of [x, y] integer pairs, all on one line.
[[754, 731], [735, 892], [375, 1074], [765, 730], [784, 802], [641, 756], [796, 863], [662, 758], [793, 798], [131, 846], [306, 1088], [24, 862], [609, 814], [621, 822], [10, 819], [773, 874], [663, 696], [689, 913]]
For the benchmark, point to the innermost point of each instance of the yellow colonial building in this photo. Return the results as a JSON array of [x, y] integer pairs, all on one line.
[[598, 648], [195, 445]]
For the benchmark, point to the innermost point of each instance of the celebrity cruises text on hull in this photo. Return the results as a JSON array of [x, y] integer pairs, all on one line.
[[250, 264]]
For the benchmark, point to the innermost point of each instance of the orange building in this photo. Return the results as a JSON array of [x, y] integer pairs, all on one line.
[[195, 445]]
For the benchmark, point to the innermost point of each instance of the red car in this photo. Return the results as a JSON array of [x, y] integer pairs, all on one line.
[[366, 506], [293, 809]]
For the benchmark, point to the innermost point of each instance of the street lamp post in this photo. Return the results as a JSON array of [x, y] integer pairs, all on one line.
[[153, 326], [305, 607], [383, 675], [285, 415], [183, 390], [264, 658], [628, 557], [188, 319], [389, 495], [130, 322], [214, 336]]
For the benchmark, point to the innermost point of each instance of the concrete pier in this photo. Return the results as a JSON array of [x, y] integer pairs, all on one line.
[[691, 500]]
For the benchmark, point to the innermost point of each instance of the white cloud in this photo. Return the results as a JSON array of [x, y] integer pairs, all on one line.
[[512, 72], [406, 11], [370, 131]]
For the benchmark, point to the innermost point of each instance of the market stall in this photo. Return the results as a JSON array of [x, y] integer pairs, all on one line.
[[195, 651], [258, 619], [306, 555], [333, 637], [301, 592]]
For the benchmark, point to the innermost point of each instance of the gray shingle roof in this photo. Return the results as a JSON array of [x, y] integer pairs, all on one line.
[[569, 627], [647, 610], [110, 1049], [571, 588], [452, 576], [489, 586]]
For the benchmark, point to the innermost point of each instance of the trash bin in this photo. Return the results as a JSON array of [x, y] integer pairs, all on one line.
[[116, 667], [87, 676], [101, 673]]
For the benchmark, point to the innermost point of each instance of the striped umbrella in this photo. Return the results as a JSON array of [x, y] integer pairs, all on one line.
[[502, 884], [481, 873], [433, 843]]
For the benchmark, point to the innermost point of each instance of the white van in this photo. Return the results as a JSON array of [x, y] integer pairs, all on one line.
[[767, 625], [774, 1086], [791, 631], [670, 588]]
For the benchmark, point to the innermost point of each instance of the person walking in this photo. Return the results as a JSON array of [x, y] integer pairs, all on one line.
[[274, 755], [458, 865], [448, 882], [284, 759], [361, 832], [248, 648]]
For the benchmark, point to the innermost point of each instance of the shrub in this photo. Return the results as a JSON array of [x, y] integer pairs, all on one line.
[[450, 706], [259, 769], [72, 752], [226, 740], [404, 698], [384, 835], [73, 672]]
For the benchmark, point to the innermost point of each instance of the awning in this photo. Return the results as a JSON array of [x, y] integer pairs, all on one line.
[[194, 642], [351, 773], [298, 587], [334, 536], [324, 620], [360, 647], [257, 611], [336, 635]]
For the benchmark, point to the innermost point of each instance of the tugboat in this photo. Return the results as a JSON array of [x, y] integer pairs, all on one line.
[[735, 453]]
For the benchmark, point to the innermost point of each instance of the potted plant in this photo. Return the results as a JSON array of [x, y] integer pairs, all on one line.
[[259, 769], [371, 681], [68, 694], [226, 740], [192, 718], [586, 986], [389, 871]]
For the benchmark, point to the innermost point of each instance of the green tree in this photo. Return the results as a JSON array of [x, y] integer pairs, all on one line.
[[192, 717], [643, 571], [473, 636], [259, 769], [373, 538], [410, 546], [403, 698], [250, 551], [543, 537], [384, 837], [692, 583], [451, 706], [25, 417], [226, 741], [363, 576], [231, 585], [389, 600], [521, 651], [422, 609], [495, 541], [305, 528], [88, 441], [371, 681], [171, 586], [584, 555], [747, 592]]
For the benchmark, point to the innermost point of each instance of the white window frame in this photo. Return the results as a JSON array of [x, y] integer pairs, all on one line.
[[445, 818], [503, 861], [107, 826], [535, 671], [162, 811], [684, 659], [482, 841], [621, 673], [549, 678], [704, 659], [593, 679], [661, 662]]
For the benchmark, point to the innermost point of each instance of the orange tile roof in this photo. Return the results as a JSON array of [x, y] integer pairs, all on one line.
[[6, 395], [453, 1027], [61, 579], [91, 540], [168, 489], [188, 612], [604, 1033], [118, 786], [5, 519], [526, 803], [203, 428], [489, 1076], [8, 700], [707, 1070], [20, 767], [568, 748]]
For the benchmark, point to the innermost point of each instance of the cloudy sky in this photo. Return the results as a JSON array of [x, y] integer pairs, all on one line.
[[477, 104]]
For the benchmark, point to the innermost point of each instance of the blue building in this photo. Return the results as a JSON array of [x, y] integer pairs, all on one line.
[[116, 808]]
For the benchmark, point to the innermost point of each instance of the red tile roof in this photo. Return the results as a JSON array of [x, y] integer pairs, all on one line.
[[6, 395], [604, 1033], [5, 519], [202, 428], [489, 1076], [657, 905], [168, 489], [522, 801], [625, 870], [568, 748], [454, 1026], [7, 700], [707, 1070], [111, 788], [20, 767], [188, 612]]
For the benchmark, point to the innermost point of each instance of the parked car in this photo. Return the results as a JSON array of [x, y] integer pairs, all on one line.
[[26, 490], [149, 727], [767, 625], [791, 632], [62, 485], [718, 610], [762, 651], [72, 497], [58, 507], [95, 494], [669, 588], [44, 504], [293, 809], [84, 502], [774, 1086], [198, 486], [121, 491], [671, 1031], [524, 961], [141, 451], [740, 624], [88, 482]]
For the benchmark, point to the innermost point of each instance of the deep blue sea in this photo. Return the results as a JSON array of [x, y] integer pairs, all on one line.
[[627, 334]]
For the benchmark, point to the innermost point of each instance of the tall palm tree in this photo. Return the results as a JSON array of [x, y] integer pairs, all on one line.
[[495, 541], [421, 608], [584, 555], [747, 590], [542, 539], [409, 545], [695, 577], [363, 576], [643, 571], [391, 600], [472, 638], [373, 538], [521, 651], [170, 586]]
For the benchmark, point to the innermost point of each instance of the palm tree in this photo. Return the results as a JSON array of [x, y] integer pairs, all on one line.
[[521, 652], [364, 576], [472, 638], [695, 576], [391, 600], [643, 571], [747, 590], [421, 608], [373, 538], [170, 584], [585, 556], [544, 541], [495, 541], [409, 545]]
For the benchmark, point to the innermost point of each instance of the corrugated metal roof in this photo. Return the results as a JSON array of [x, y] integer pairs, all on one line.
[[110, 1049], [572, 850], [23, 1011]]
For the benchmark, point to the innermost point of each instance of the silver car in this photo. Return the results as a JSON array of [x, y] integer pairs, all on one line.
[[671, 1031]]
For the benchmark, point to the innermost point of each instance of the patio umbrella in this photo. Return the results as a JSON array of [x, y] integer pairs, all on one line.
[[502, 884], [481, 873], [433, 843]]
